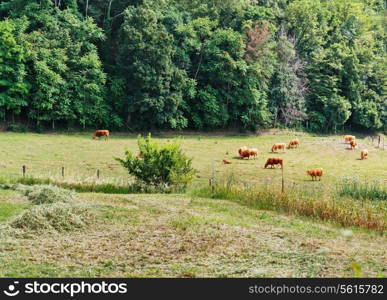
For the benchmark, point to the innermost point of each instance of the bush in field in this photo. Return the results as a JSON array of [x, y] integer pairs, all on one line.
[[57, 217], [17, 128], [159, 165], [44, 194]]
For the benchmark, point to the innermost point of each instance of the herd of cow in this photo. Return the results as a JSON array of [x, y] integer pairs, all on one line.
[[352, 143], [245, 152]]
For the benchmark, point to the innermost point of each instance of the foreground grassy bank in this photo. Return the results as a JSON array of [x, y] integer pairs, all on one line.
[[185, 236]]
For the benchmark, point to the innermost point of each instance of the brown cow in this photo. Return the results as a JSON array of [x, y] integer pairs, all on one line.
[[348, 138], [278, 146], [253, 152], [241, 149], [314, 173], [352, 144], [101, 133], [226, 162], [363, 154], [273, 161], [139, 155], [245, 152], [294, 143]]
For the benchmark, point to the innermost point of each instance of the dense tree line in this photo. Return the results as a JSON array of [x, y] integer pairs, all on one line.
[[198, 64]]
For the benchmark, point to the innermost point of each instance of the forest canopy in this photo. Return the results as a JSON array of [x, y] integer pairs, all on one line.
[[193, 64]]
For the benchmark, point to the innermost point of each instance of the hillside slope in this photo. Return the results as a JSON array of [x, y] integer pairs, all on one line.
[[176, 235]]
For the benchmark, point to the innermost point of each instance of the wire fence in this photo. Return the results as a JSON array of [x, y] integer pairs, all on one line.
[[70, 175]]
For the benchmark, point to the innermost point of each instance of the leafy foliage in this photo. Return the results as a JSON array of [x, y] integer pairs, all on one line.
[[289, 83], [158, 165], [340, 40], [153, 84], [13, 85], [201, 64]]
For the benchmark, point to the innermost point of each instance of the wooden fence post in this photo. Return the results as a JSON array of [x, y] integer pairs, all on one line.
[[24, 171], [212, 179], [62, 172], [379, 142], [98, 173]]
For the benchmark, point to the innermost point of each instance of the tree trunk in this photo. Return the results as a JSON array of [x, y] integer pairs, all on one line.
[[109, 9], [87, 8], [200, 61]]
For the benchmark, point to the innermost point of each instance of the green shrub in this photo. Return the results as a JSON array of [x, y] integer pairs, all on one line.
[[56, 217], [38, 128], [7, 186], [44, 194], [16, 128], [159, 165]]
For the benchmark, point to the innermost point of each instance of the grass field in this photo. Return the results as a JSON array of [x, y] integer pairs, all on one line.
[[181, 236], [154, 235], [45, 155]]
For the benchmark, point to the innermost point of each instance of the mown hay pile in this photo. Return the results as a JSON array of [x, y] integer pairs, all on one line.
[[58, 217], [45, 194], [55, 210]]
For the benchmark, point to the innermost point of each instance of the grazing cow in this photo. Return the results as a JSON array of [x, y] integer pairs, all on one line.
[[273, 161], [353, 144], [294, 143], [348, 138], [363, 154], [101, 133], [314, 173], [139, 155], [241, 149], [226, 162], [278, 146], [253, 152], [245, 152]]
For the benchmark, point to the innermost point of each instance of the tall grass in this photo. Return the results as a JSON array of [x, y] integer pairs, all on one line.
[[90, 186], [323, 206], [357, 189]]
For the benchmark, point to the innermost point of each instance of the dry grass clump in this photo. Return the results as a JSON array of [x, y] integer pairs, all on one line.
[[55, 217], [56, 210], [45, 194]]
